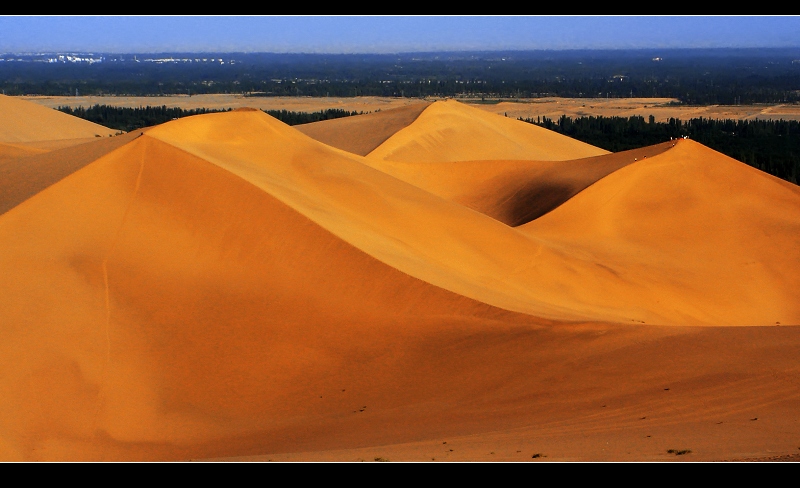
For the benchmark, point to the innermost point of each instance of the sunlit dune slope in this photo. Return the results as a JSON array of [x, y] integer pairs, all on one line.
[[155, 305], [694, 221], [447, 244], [24, 121], [23, 176], [449, 130], [361, 134], [512, 191]]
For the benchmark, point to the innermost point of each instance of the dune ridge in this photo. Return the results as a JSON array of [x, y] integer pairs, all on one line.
[[225, 286]]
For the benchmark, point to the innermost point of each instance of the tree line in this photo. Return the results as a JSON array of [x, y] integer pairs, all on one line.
[[130, 118], [698, 91], [773, 146]]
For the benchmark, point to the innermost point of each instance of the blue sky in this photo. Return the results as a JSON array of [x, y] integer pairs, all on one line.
[[388, 34]]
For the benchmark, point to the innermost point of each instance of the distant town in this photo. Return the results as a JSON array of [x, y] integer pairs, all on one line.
[[87, 58]]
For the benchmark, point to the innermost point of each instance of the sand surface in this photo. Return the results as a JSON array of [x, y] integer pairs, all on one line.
[[424, 283]]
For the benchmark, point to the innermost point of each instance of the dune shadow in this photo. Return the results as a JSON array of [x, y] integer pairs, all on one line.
[[530, 203]]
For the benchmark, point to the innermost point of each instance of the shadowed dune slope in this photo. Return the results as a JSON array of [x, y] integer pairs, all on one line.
[[361, 134], [23, 121], [512, 191], [698, 220], [453, 131], [24, 176], [153, 302]]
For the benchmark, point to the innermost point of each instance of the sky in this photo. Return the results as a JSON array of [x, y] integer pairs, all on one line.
[[387, 34]]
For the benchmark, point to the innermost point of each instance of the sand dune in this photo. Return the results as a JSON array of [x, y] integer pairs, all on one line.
[[371, 210], [155, 255], [25, 121], [512, 191], [696, 221], [225, 286], [453, 131], [534, 274]]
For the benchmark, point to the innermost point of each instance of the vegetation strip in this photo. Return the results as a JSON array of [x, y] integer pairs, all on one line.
[[128, 119]]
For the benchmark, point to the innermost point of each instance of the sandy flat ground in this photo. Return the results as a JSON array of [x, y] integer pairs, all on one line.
[[228, 287], [552, 108]]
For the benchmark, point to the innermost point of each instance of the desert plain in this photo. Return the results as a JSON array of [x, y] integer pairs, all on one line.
[[434, 281]]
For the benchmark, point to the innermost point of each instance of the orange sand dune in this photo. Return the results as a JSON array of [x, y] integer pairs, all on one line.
[[175, 320], [695, 222], [533, 275], [361, 134], [453, 131], [368, 209], [154, 303], [512, 191], [25, 121], [224, 286]]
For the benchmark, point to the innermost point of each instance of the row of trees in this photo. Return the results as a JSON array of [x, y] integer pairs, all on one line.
[[688, 92], [296, 118], [128, 118], [772, 146]]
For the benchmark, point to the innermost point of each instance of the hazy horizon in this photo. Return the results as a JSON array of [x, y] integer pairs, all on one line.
[[388, 34]]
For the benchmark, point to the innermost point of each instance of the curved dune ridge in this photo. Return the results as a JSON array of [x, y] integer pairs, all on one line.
[[225, 285]]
